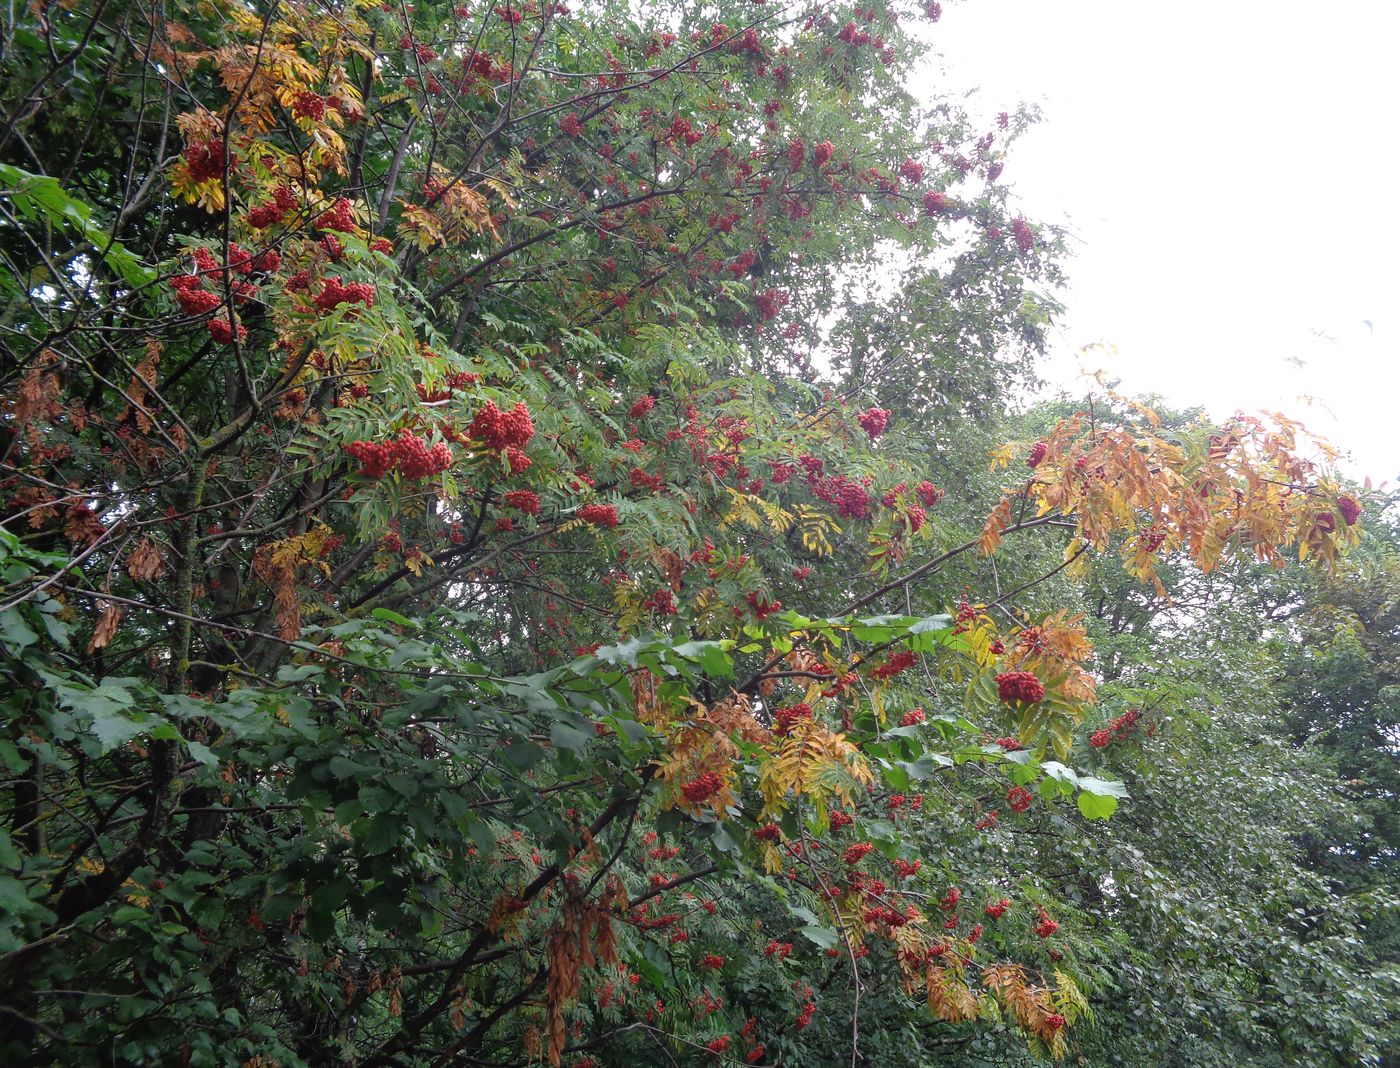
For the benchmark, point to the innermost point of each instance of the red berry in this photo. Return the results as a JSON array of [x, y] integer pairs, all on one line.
[[785, 717], [856, 853], [702, 788], [1350, 508], [1020, 686], [1019, 798], [600, 515], [874, 420]]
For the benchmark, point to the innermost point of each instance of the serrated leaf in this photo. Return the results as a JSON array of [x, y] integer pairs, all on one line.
[[822, 936], [1096, 806]]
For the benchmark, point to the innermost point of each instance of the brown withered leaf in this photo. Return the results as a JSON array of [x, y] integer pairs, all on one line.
[[145, 562], [106, 628]]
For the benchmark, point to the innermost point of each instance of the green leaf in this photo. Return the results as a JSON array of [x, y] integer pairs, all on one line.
[[712, 656], [931, 624], [524, 755], [1096, 806], [202, 753], [9, 855], [923, 768], [14, 631], [822, 936], [1103, 787], [394, 617], [575, 739], [624, 654]]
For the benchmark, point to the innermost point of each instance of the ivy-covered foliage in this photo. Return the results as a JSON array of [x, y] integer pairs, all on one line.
[[478, 575]]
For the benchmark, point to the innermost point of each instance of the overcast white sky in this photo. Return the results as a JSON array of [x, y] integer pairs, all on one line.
[[1230, 173]]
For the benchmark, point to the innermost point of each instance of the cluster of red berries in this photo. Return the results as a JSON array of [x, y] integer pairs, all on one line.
[[502, 430], [1046, 927], [192, 299], [1037, 454], [805, 1016], [966, 614], [840, 819], [935, 203], [527, 501], [571, 125], [195, 300], [873, 421], [702, 787], [781, 950], [906, 869], [712, 961], [662, 602], [912, 718], [416, 460], [822, 152], [1019, 798], [785, 717], [888, 916], [1020, 686], [599, 515], [856, 853], [1350, 508], [841, 685], [951, 898], [205, 160], [719, 1045], [987, 822], [851, 499], [1009, 743], [224, 331], [339, 216], [642, 406], [998, 909], [901, 661], [335, 293], [770, 303], [283, 204], [928, 493], [1117, 727], [1025, 237], [1151, 540], [762, 606], [642, 480], [376, 458], [308, 105], [407, 452], [769, 832]]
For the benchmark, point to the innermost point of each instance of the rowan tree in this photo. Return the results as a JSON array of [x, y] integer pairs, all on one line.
[[457, 598]]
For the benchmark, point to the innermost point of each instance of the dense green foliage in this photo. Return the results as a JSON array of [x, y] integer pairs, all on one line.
[[499, 563]]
